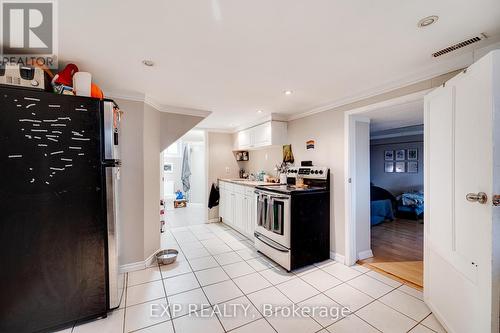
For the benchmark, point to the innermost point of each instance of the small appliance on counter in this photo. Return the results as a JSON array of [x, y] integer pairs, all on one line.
[[243, 174], [27, 77], [293, 220]]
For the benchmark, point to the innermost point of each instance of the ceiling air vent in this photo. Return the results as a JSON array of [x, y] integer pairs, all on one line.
[[458, 46]]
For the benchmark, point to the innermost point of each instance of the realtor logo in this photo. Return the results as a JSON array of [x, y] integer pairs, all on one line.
[[28, 32]]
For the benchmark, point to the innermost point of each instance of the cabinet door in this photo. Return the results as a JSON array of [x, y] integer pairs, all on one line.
[[262, 135], [244, 215], [231, 208], [222, 203], [228, 207], [238, 211], [244, 139], [252, 215], [248, 215]]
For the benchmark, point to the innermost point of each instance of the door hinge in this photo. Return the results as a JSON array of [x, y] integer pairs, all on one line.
[[349, 180]]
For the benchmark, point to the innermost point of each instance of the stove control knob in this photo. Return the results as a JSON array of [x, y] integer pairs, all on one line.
[[320, 172]]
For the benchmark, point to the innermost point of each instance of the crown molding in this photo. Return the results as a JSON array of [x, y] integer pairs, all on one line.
[[158, 106], [176, 109], [370, 94], [217, 130], [440, 67]]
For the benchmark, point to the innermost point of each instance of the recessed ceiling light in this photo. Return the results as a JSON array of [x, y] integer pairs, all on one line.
[[288, 92], [148, 63], [259, 111], [427, 21]]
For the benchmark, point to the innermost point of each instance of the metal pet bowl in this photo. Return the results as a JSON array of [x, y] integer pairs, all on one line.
[[166, 257]]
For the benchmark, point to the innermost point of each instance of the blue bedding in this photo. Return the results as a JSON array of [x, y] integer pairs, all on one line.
[[411, 202], [381, 210]]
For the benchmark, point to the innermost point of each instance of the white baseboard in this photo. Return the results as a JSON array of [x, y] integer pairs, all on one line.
[[137, 266], [337, 257], [365, 254]]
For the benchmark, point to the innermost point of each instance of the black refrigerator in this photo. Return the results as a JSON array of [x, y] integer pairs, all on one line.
[[58, 245]]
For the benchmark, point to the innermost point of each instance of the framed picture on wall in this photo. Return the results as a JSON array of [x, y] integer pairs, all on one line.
[[400, 155], [168, 167], [412, 167], [413, 154], [389, 167], [389, 155], [400, 167]]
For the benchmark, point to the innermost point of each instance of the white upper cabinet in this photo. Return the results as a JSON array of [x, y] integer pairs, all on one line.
[[267, 134], [244, 141]]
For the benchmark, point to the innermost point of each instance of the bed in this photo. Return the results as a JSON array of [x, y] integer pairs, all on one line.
[[411, 204], [382, 205], [381, 211]]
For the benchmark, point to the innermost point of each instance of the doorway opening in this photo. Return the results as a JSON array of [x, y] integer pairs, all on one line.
[[184, 180], [384, 215]]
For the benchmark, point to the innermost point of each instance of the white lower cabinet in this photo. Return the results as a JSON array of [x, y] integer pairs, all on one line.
[[237, 207]]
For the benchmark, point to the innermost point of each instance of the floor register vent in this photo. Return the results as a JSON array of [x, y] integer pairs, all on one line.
[[459, 45]]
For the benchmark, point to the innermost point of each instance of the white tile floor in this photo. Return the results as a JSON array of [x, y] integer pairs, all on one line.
[[218, 268]]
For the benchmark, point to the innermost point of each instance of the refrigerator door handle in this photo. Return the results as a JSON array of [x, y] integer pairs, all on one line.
[[114, 276]]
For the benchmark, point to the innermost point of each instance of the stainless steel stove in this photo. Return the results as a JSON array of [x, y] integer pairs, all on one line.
[[293, 222]]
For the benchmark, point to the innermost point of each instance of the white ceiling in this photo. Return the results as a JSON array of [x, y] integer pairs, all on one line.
[[234, 57], [397, 116]]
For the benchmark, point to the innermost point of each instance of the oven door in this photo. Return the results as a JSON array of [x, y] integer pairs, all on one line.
[[273, 217]]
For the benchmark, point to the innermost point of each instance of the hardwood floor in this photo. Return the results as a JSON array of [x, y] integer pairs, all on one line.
[[398, 249]]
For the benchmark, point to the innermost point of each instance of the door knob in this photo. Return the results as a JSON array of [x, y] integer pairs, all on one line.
[[480, 197]]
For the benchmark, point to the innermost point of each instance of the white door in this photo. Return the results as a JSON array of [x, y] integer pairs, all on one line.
[[461, 237]]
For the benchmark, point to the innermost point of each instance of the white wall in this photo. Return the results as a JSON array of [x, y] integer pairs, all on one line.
[[263, 159], [327, 128], [152, 180], [131, 186], [220, 153], [143, 132], [198, 178]]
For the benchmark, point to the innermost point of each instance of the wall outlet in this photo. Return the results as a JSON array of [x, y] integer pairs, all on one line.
[[228, 170], [266, 156]]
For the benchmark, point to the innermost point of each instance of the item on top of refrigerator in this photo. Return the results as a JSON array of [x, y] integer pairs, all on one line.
[[65, 77], [22, 76], [95, 91], [82, 82], [63, 90]]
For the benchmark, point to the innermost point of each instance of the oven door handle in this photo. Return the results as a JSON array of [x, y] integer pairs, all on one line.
[[269, 242], [279, 198]]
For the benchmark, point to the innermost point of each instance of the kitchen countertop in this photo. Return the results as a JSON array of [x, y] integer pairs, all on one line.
[[251, 183]]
